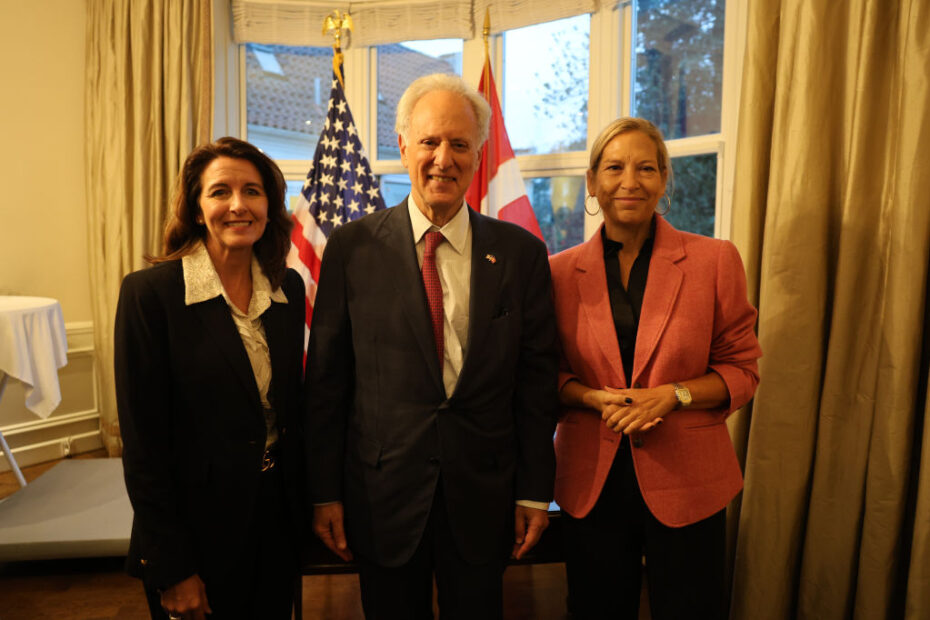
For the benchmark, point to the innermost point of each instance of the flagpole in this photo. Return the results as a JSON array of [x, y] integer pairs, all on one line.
[[486, 34], [335, 23]]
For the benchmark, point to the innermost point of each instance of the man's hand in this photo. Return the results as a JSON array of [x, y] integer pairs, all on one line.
[[328, 525], [186, 599], [528, 527]]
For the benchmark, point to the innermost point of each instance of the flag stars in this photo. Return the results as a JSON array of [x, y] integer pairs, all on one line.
[[340, 187]]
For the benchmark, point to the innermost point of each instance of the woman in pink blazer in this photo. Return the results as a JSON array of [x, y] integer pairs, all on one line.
[[658, 348]]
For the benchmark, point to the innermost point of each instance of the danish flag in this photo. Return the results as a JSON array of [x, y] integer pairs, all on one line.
[[497, 189]]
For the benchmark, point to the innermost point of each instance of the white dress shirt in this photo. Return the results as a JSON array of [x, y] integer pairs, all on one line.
[[453, 262]]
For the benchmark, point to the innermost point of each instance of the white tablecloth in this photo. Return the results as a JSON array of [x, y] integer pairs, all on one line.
[[33, 346]]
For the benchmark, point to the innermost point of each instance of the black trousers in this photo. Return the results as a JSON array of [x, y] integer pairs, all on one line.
[[406, 592], [685, 567], [262, 584]]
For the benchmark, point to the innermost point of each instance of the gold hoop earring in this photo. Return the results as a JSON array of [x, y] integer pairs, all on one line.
[[668, 205], [596, 211]]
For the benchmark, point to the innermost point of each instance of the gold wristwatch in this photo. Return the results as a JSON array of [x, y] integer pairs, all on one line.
[[683, 395]]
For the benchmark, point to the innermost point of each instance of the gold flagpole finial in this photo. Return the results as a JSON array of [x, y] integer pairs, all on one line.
[[486, 31], [334, 24]]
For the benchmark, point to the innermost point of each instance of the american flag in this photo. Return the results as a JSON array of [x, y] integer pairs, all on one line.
[[497, 189], [339, 188]]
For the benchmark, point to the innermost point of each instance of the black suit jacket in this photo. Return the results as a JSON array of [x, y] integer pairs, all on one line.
[[380, 428], [192, 424]]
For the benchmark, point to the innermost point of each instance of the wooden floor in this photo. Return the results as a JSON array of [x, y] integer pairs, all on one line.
[[97, 589]]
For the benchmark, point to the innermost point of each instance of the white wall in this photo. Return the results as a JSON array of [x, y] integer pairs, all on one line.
[[43, 222], [43, 212]]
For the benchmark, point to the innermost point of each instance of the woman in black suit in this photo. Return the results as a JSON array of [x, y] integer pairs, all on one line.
[[208, 352]]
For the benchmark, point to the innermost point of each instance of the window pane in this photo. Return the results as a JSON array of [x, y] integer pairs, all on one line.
[[679, 65], [546, 86], [694, 195], [559, 206], [399, 64], [293, 193], [394, 188], [287, 91]]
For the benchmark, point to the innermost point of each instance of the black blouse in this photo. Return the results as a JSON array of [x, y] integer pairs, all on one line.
[[626, 303]]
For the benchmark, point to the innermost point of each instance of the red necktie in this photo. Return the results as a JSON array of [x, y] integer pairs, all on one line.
[[433, 288]]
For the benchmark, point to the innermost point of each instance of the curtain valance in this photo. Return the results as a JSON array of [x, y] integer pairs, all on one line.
[[300, 22]]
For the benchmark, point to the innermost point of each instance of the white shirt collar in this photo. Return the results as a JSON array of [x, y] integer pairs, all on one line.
[[201, 282], [455, 231]]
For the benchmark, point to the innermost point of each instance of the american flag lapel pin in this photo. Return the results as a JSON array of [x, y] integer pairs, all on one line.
[[490, 258]]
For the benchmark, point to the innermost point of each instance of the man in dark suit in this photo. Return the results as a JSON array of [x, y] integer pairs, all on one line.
[[431, 379]]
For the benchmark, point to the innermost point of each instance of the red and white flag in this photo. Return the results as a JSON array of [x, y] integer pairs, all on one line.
[[497, 189]]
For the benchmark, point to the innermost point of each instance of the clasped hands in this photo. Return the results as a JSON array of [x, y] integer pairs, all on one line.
[[629, 411]]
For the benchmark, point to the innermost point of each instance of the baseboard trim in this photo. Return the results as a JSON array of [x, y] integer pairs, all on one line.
[[53, 449]]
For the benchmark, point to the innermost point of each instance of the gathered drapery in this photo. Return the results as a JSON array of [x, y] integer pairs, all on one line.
[[377, 22], [149, 101], [832, 215]]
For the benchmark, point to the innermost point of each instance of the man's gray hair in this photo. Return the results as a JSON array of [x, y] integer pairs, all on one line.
[[442, 81]]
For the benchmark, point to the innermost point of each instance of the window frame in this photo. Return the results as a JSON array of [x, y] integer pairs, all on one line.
[[610, 95]]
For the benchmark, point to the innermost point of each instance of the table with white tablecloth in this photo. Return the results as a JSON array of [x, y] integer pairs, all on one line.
[[33, 346]]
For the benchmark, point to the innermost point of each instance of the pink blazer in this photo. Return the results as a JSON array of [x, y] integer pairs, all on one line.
[[695, 317]]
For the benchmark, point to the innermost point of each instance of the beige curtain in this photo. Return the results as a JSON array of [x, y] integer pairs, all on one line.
[[149, 101], [832, 214]]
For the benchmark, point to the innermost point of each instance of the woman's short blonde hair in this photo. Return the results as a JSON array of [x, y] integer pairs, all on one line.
[[623, 125]]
